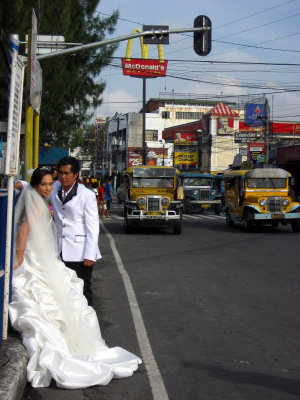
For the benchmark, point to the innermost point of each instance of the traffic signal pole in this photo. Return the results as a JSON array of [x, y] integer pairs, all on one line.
[[153, 33]]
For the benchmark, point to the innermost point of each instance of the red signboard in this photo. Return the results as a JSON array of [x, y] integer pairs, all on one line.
[[144, 68], [135, 157], [186, 138]]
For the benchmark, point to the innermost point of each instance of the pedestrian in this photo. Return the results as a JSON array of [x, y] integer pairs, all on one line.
[[54, 173], [108, 196], [59, 330], [101, 199], [76, 218]]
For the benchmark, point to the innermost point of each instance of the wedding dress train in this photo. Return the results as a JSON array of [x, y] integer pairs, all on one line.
[[59, 330]]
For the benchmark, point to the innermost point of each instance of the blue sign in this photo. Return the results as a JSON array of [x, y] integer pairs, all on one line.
[[255, 114]]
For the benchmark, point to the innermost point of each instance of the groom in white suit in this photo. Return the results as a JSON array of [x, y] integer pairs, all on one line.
[[76, 218]]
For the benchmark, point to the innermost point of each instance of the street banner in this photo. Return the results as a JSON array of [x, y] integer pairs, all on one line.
[[139, 67], [183, 157], [14, 116], [35, 69], [255, 114], [256, 153]]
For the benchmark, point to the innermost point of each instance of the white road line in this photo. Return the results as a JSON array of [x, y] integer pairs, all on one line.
[[156, 382]]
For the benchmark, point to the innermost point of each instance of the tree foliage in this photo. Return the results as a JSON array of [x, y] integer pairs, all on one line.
[[71, 83]]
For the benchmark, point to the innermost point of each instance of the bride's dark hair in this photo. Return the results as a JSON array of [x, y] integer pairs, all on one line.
[[37, 176]]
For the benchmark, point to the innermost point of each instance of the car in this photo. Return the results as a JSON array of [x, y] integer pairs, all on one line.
[[120, 193]]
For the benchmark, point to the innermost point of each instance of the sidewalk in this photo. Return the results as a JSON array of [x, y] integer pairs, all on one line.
[[13, 362]]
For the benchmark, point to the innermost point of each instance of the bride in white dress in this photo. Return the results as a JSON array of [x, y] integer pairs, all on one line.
[[59, 330]]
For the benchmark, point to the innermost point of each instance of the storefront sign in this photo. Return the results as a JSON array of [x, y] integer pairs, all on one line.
[[181, 157], [134, 157], [225, 126], [144, 68], [186, 138], [244, 137], [257, 153]]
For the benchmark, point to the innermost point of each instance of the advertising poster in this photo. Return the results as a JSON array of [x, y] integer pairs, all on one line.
[[225, 126], [256, 153], [182, 157], [134, 157], [186, 138]]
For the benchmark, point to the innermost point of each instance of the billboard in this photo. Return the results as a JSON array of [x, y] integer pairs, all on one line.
[[183, 157], [255, 114], [256, 153], [186, 138]]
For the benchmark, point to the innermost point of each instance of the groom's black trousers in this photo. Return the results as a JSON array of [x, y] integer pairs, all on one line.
[[85, 273]]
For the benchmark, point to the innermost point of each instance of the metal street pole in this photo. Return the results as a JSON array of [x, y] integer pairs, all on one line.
[[153, 32], [267, 132], [144, 123]]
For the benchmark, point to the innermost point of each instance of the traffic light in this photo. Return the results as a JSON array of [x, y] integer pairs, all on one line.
[[202, 39]]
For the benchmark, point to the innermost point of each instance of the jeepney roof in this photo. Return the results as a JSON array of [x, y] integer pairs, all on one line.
[[268, 173], [158, 171], [259, 173]]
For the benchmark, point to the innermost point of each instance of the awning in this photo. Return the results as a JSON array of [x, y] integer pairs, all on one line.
[[221, 110]]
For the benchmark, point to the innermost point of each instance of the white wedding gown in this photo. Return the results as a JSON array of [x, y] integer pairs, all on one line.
[[59, 330]]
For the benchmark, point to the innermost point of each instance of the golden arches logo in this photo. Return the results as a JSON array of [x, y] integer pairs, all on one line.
[[144, 67]]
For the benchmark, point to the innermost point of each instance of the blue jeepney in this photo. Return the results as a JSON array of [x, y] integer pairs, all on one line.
[[200, 191]]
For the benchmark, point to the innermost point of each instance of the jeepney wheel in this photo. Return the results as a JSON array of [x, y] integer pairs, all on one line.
[[229, 221], [248, 221], [178, 228], [296, 225]]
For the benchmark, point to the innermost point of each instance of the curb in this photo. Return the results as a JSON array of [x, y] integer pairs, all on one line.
[[13, 363]]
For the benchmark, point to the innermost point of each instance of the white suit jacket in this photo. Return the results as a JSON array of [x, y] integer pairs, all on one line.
[[77, 224]]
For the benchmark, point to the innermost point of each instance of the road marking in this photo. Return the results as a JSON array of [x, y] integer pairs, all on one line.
[[156, 382]]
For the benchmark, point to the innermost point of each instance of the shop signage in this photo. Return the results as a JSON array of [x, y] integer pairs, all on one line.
[[134, 157], [144, 68], [182, 157], [244, 137], [186, 138], [225, 126], [256, 153]]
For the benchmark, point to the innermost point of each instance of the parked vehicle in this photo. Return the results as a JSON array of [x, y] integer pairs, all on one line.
[[200, 191], [260, 196], [153, 197], [120, 193]]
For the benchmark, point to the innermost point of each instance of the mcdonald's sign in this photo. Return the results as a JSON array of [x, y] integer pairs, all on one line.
[[144, 67]]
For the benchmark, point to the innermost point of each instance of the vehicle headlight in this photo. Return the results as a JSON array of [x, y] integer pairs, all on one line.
[[165, 201], [285, 202], [195, 192], [141, 201], [263, 202]]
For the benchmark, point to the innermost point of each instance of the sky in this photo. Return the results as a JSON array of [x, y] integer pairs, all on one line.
[[255, 52]]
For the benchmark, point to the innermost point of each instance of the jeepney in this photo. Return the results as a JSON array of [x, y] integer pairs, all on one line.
[[260, 196], [200, 191], [153, 196]]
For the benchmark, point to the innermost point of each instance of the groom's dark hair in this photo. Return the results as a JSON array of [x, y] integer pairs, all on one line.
[[75, 166]]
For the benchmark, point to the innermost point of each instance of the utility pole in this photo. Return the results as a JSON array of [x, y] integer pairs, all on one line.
[[267, 132]]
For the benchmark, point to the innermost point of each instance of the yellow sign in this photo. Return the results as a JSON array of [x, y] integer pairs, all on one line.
[[182, 157]]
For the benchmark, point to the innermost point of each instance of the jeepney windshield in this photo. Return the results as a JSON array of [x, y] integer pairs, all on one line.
[[197, 182], [153, 182], [266, 183]]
